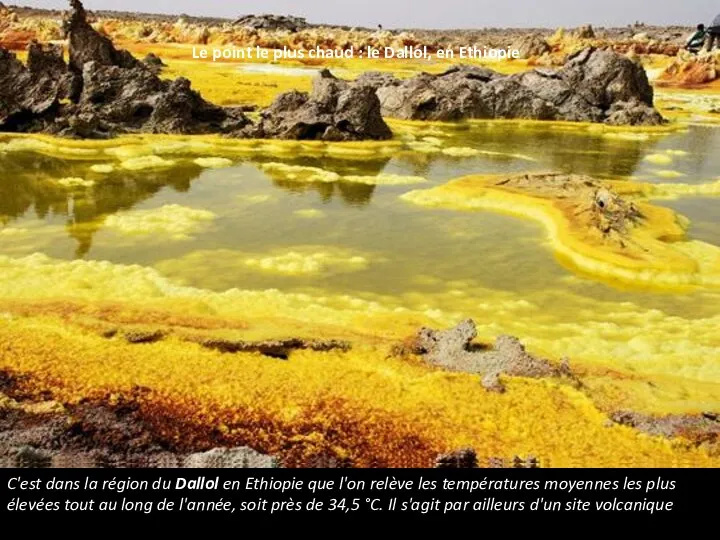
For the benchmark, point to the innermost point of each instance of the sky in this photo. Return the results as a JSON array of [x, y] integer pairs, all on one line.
[[431, 13]]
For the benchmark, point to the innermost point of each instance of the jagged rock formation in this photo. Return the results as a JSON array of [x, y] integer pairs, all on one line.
[[272, 22], [334, 111], [593, 86], [105, 91], [467, 458], [454, 350], [109, 92], [87, 45], [28, 95]]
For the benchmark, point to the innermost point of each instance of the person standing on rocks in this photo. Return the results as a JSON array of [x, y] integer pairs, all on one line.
[[713, 33]]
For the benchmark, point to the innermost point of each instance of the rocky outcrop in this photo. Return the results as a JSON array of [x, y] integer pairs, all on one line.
[[154, 63], [531, 45], [87, 45], [109, 92], [454, 95], [688, 70], [279, 348], [105, 91], [455, 350], [119, 100], [272, 22], [593, 86], [334, 111], [102, 99], [30, 94], [605, 213], [702, 429], [230, 458], [272, 348], [108, 432], [584, 32], [465, 458]]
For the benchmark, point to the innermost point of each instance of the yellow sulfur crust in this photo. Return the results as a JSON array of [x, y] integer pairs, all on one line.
[[362, 405], [655, 251]]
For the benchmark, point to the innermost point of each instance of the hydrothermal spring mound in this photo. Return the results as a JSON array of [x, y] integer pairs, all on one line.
[[603, 228]]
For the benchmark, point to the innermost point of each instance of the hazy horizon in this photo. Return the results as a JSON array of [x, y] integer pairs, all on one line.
[[427, 14]]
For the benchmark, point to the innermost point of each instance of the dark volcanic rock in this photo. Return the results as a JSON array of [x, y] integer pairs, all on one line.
[[454, 95], [593, 86], [121, 94], [272, 22], [376, 79], [118, 100], [87, 45], [30, 95], [110, 92], [605, 78], [105, 91], [154, 62], [465, 458], [334, 111], [100, 434]]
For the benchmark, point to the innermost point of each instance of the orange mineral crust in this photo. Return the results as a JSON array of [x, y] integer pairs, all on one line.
[[361, 407]]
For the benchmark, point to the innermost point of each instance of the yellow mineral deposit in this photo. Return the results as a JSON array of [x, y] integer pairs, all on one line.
[[295, 261], [102, 168], [73, 182], [673, 191], [12, 231], [366, 404], [651, 250], [306, 263], [214, 389], [146, 162], [299, 173], [170, 221], [213, 162], [668, 173], [310, 213]]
